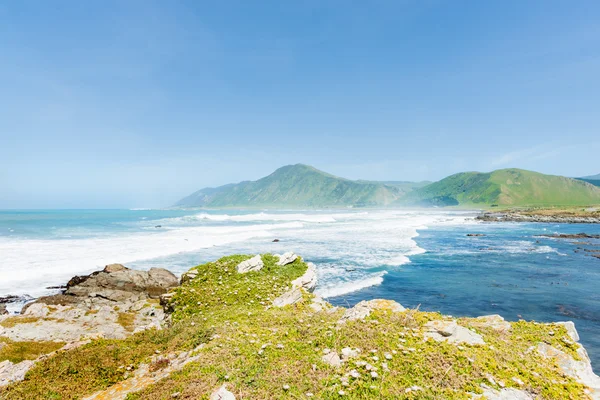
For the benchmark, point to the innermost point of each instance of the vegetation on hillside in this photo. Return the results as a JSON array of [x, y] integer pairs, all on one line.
[[298, 186], [304, 186], [506, 187], [263, 352]]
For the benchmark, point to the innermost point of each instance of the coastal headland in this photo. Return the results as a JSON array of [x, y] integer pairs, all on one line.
[[249, 326]]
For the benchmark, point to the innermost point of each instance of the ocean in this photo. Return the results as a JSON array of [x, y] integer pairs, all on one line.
[[419, 258]]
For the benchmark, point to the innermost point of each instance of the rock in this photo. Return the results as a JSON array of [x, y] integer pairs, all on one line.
[[3, 310], [581, 371], [188, 276], [253, 264], [145, 376], [275, 240], [288, 298], [495, 322], [451, 332], [118, 283], [222, 394], [332, 358], [348, 353], [114, 268], [10, 372], [308, 281], [287, 258], [570, 327], [475, 234], [365, 308]]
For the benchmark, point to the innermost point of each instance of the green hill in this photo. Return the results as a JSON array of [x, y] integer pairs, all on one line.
[[506, 187], [298, 186]]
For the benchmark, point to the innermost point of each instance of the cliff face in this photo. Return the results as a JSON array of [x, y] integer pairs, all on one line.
[[249, 327]]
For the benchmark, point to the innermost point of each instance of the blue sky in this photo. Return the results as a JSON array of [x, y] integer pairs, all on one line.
[[137, 103]]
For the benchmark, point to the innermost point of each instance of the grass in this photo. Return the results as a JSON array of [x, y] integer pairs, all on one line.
[[19, 351], [10, 322], [263, 352], [126, 320]]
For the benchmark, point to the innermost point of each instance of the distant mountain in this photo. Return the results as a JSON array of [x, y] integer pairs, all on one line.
[[506, 187], [592, 177], [299, 186]]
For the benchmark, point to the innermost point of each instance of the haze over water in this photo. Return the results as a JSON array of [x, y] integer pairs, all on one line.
[[419, 258]]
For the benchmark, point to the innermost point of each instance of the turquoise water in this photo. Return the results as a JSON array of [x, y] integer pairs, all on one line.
[[511, 271], [418, 258]]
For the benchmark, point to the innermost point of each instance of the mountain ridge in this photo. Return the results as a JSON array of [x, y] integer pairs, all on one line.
[[296, 185], [302, 185]]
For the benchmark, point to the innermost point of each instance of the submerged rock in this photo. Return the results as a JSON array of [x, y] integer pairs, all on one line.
[[253, 264]]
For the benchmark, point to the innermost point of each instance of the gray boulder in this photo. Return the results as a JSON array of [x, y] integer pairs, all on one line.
[[253, 264], [308, 281], [118, 283], [365, 308], [451, 332], [287, 258], [288, 298]]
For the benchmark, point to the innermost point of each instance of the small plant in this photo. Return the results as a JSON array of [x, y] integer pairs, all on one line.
[[160, 363]]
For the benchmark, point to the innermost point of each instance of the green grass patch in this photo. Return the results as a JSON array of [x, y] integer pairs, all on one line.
[[29, 350]]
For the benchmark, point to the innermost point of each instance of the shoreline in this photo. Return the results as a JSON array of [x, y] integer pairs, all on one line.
[[537, 216]]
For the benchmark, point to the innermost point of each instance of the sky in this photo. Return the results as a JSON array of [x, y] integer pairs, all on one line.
[[129, 103]]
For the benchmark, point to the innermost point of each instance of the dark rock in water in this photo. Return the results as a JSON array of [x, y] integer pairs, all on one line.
[[275, 240], [572, 236], [56, 287], [475, 234], [158, 226], [12, 299], [9, 299]]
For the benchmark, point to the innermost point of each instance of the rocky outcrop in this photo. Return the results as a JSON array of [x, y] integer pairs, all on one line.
[[365, 308], [13, 372], [287, 258], [10, 372], [118, 283], [580, 370], [146, 375], [308, 281], [253, 264], [512, 216], [288, 298], [495, 322], [112, 303], [451, 332]]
